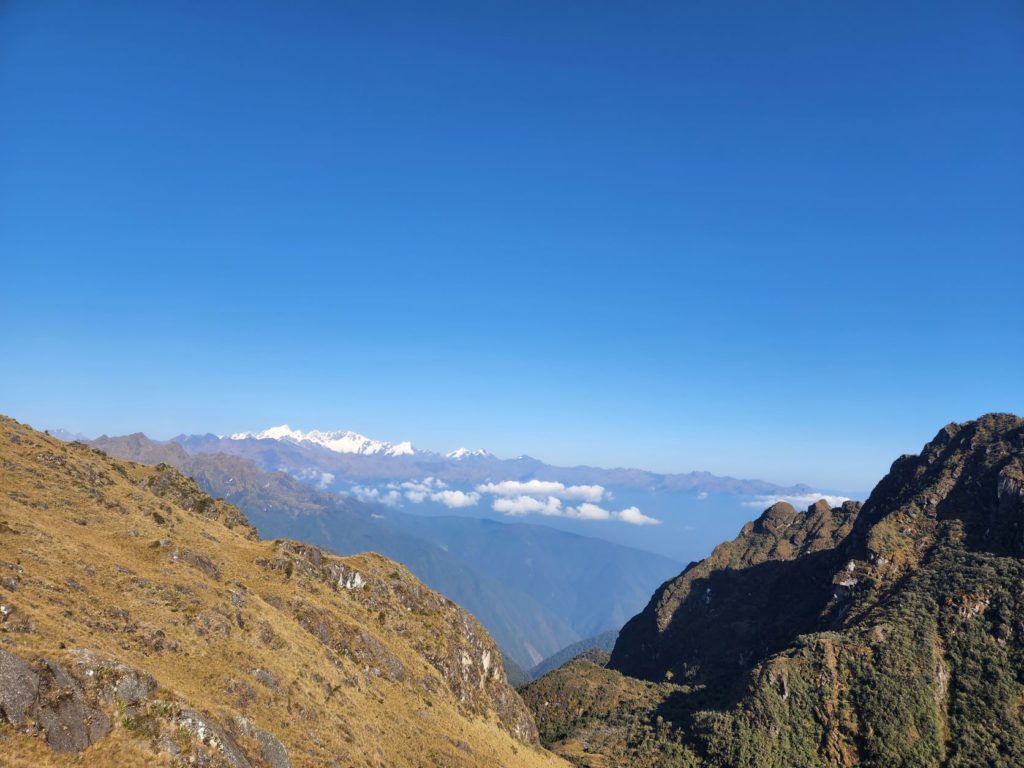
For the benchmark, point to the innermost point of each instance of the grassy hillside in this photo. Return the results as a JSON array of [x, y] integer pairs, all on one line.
[[530, 585], [144, 623]]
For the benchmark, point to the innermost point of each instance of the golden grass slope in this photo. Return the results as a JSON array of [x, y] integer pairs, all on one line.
[[130, 596]]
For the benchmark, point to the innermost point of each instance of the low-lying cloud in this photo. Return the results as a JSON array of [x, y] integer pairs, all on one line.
[[553, 507], [391, 498], [542, 488], [516, 498], [456, 499], [526, 505], [322, 480], [634, 516], [435, 489]]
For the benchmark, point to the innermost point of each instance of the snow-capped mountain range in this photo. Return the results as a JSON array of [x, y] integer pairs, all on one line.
[[345, 441], [466, 453]]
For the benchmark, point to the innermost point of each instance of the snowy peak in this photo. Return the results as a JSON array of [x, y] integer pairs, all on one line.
[[284, 432], [464, 453], [339, 442]]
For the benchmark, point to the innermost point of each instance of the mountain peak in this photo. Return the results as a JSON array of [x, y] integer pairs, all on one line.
[[466, 453], [341, 441]]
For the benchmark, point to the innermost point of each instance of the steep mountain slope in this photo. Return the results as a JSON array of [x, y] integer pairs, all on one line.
[[531, 586], [898, 643], [739, 602], [144, 623]]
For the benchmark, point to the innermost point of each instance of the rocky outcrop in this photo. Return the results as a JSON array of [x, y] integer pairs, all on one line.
[[449, 638], [45, 695], [76, 704]]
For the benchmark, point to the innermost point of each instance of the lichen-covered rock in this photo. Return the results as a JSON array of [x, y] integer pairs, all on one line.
[[69, 721], [209, 734], [45, 697], [19, 688], [111, 681], [271, 750]]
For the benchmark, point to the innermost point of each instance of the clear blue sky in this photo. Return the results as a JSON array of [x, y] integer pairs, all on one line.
[[768, 239]]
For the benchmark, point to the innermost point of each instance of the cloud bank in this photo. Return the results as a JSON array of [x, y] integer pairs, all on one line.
[[515, 498], [553, 507], [591, 493]]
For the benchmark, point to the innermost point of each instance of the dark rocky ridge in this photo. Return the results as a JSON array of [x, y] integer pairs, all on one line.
[[739, 604], [889, 635]]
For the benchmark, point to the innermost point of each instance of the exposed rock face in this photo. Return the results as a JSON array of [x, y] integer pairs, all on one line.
[[71, 723], [890, 635], [47, 696], [272, 751], [19, 687], [73, 706], [143, 623]]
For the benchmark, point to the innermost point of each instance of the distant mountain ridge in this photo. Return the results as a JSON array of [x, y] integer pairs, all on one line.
[[602, 643], [356, 457]]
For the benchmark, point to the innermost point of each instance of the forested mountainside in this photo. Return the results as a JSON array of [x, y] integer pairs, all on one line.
[[891, 634], [143, 622]]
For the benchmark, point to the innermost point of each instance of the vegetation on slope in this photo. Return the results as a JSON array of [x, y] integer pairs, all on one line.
[[144, 623], [905, 641], [597, 649]]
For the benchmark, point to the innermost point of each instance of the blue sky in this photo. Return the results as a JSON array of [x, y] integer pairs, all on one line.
[[779, 240]]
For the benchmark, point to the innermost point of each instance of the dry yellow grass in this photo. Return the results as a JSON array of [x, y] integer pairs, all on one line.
[[346, 661]]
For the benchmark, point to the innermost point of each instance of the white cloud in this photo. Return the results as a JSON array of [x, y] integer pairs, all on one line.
[[800, 501], [634, 516], [417, 491], [426, 485], [543, 488], [510, 497], [702, 495], [391, 498], [323, 479], [456, 499], [525, 505], [587, 511]]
